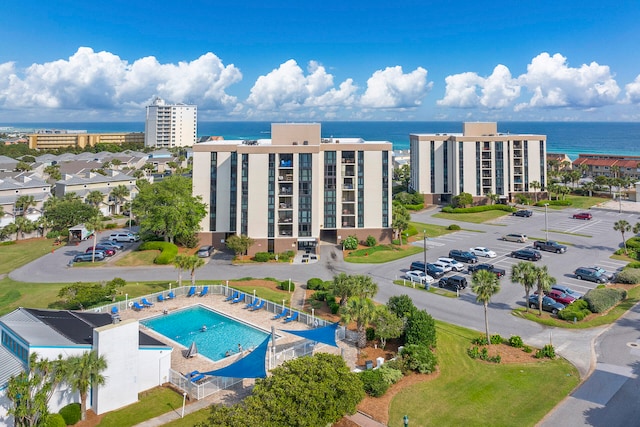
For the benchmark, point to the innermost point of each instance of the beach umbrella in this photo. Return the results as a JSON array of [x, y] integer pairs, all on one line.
[[193, 350]]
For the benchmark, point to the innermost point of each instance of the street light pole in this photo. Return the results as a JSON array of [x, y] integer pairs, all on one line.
[[424, 237], [546, 224], [184, 400]]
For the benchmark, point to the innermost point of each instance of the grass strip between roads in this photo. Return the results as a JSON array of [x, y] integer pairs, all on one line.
[[476, 217], [474, 393], [15, 255], [433, 289]]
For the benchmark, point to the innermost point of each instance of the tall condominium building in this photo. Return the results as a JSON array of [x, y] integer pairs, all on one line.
[[479, 161], [169, 126], [294, 190]]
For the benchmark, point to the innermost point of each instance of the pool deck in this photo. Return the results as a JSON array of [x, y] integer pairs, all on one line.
[[260, 319]]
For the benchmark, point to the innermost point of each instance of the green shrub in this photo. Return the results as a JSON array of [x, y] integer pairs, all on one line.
[[350, 243], [547, 351], [515, 341], [287, 285], [390, 374], [633, 243], [414, 207], [480, 340], [168, 251], [483, 208], [629, 276], [496, 339], [453, 227], [263, 256], [314, 283], [111, 226], [420, 329], [53, 234], [398, 364], [577, 310], [371, 334], [527, 349], [54, 420], [333, 306], [319, 295], [371, 241], [71, 413], [600, 300], [374, 383], [420, 358], [554, 203], [634, 264]]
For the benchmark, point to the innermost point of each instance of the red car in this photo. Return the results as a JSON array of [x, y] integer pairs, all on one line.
[[582, 215], [107, 251], [560, 297]]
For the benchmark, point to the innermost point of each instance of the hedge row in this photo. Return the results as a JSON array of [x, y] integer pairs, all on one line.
[[554, 203], [633, 243], [473, 209], [601, 299], [168, 251], [316, 284], [578, 310], [630, 276]]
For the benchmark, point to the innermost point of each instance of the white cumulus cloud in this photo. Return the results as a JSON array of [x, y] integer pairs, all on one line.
[[287, 88], [102, 80], [633, 91], [554, 84], [391, 88], [469, 90]]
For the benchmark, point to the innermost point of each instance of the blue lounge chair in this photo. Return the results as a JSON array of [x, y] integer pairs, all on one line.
[[171, 295], [161, 298], [114, 310], [192, 291], [137, 306], [232, 297], [258, 307], [253, 303], [146, 303], [238, 299], [197, 378], [291, 318], [284, 313], [205, 291]]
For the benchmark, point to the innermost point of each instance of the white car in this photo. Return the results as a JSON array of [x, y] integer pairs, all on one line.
[[445, 266], [482, 251], [418, 276], [455, 265]]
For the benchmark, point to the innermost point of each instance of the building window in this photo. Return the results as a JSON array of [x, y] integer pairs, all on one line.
[[460, 167], [361, 189], [244, 197], [499, 168], [445, 166], [543, 162], [478, 167], [213, 191], [304, 194], [330, 189], [385, 189], [15, 347], [233, 193], [432, 166], [271, 197], [526, 165]]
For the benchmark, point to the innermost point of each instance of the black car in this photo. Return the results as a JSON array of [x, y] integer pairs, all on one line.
[[591, 274], [489, 267], [547, 304], [528, 254], [430, 269], [523, 212], [453, 282], [550, 246], [463, 256]]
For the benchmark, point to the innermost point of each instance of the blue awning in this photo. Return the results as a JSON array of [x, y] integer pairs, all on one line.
[[250, 366], [326, 335]]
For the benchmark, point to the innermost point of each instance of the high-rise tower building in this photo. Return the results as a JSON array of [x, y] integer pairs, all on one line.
[[169, 126]]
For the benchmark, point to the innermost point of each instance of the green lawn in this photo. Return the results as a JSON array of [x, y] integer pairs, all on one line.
[[581, 202], [153, 403], [474, 393], [190, 420], [381, 254], [433, 289], [138, 258], [476, 218], [431, 230], [23, 252]]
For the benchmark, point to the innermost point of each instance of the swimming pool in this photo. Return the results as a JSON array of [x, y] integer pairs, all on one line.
[[222, 333]]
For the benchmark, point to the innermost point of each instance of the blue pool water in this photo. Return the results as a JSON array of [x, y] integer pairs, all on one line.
[[222, 333]]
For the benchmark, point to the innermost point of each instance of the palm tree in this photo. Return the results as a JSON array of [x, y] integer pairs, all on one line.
[[485, 284], [181, 262], [84, 372], [22, 206], [544, 282], [53, 171], [343, 287], [119, 195], [23, 203], [636, 228], [589, 186], [623, 227], [364, 286], [524, 273], [23, 225], [95, 198], [362, 311], [536, 186], [193, 263], [94, 224]]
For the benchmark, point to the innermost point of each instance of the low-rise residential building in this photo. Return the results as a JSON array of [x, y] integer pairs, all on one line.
[[609, 165], [83, 184], [295, 189], [23, 184], [135, 361], [63, 139], [478, 161]]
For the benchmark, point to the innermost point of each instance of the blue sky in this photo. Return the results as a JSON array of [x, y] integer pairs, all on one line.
[[66, 60]]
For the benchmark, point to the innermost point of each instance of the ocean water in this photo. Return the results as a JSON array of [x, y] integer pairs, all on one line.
[[571, 138]]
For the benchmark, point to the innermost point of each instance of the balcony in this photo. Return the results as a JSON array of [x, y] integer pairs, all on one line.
[[285, 177], [286, 189], [486, 156], [285, 230], [349, 170], [348, 221], [348, 209], [285, 219]]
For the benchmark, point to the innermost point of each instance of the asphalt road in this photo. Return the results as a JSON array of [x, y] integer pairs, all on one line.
[[589, 243]]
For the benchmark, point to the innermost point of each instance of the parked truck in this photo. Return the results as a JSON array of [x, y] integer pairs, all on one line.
[[550, 246], [490, 267]]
